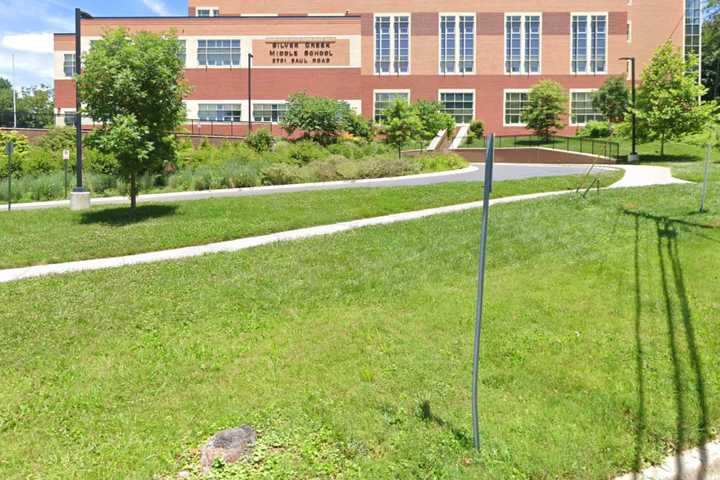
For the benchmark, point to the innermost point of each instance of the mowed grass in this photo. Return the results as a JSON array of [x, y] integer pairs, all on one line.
[[58, 235], [351, 354]]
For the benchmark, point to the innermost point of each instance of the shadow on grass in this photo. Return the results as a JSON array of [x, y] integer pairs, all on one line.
[[653, 158], [121, 216], [424, 413], [679, 318]]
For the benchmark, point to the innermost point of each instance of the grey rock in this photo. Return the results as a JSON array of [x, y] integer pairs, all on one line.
[[229, 445]]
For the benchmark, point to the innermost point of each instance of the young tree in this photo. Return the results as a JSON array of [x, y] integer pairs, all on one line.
[[320, 118], [135, 83], [668, 105], [434, 118], [35, 107], [546, 105], [612, 99], [401, 125]]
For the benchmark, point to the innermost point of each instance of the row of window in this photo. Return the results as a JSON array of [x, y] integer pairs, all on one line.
[[523, 43], [232, 112], [461, 104]]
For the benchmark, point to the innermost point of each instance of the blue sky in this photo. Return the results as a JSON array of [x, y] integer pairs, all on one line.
[[26, 28]]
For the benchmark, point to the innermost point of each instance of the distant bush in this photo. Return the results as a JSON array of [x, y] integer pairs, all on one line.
[[58, 139], [596, 129], [260, 140], [440, 162], [477, 128]]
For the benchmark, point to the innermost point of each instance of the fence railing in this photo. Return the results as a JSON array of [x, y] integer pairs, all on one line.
[[590, 146]]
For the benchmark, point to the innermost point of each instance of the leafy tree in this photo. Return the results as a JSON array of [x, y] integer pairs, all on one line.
[[434, 118], [135, 83], [22, 146], [260, 140], [127, 140], [611, 99], [320, 118], [401, 125], [58, 139], [667, 104], [5, 100], [546, 105], [35, 107], [358, 126], [711, 56]]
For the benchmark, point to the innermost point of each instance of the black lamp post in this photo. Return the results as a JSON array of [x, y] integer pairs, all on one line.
[[250, 59], [633, 155], [79, 16]]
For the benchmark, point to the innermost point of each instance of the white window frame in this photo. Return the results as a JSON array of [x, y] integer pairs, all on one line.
[[570, 109], [195, 53], [214, 11], [251, 113], [389, 90], [239, 103], [589, 16], [460, 90], [457, 16], [504, 110], [392, 16], [65, 55], [523, 65]]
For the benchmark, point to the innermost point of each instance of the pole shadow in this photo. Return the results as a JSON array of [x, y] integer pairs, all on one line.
[[678, 316], [122, 216], [425, 413]]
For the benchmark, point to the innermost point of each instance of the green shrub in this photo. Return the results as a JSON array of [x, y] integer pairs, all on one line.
[[58, 139], [387, 167], [477, 128], [305, 151], [101, 183], [440, 162], [260, 140], [358, 126], [98, 162], [39, 161], [46, 187], [237, 175], [596, 129], [283, 174]]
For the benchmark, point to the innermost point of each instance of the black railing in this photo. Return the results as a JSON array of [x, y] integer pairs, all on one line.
[[590, 146]]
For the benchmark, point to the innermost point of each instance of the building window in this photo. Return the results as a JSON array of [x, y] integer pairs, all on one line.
[[207, 12], [589, 43], [693, 27], [69, 64], [457, 43], [269, 112], [218, 52], [461, 105], [182, 54], [384, 99], [516, 102], [581, 108], [392, 44], [522, 43], [69, 118], [219, 112]]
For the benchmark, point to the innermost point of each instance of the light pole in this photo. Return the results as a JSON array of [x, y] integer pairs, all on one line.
[[250, 59], [80, 198], [14, 93], [633, 155]]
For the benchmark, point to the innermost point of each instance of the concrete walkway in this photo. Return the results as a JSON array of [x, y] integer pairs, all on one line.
[[472, 173], [643, 175], [635, 176], [701, 463]]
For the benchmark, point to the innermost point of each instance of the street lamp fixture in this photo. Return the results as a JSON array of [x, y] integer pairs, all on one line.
[[80, 197], [250, 59], [633, 155]]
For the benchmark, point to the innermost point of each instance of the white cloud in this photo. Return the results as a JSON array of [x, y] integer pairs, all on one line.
[[158, 7], [41, 42]]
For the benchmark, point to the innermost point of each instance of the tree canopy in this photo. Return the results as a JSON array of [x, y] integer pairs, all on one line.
[[547, 103], [612, 99], [134, 85], [402, 124], [323, 119]]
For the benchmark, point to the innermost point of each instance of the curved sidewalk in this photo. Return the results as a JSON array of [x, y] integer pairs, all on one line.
[[472, 173], [634, 177]]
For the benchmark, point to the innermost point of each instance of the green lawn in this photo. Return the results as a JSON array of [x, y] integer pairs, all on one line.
[[351, 354], [56, 235]]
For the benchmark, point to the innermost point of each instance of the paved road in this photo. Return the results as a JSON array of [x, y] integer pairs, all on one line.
[[475, 173]]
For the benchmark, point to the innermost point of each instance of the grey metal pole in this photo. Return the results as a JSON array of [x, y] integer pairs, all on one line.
[[78, 105], [634, 116], [14, 93], [9, 151], [489, 158], [250, 59], [708, 153]]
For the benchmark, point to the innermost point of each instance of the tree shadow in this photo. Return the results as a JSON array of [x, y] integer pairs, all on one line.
[[122, 216], [679, 316], [425, 413]]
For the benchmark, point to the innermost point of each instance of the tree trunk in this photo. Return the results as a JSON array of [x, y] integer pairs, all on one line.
[[133, 191], [662, 147], [399, 153]]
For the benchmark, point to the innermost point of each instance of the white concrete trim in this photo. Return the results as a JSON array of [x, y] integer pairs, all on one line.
[[460, 137], [436, 141]]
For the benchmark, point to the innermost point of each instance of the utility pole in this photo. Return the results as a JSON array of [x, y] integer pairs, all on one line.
[[250, 59]]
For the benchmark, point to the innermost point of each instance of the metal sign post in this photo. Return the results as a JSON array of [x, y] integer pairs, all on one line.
[[66, 157], [708, 154], [489, 158], [9, 147]]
